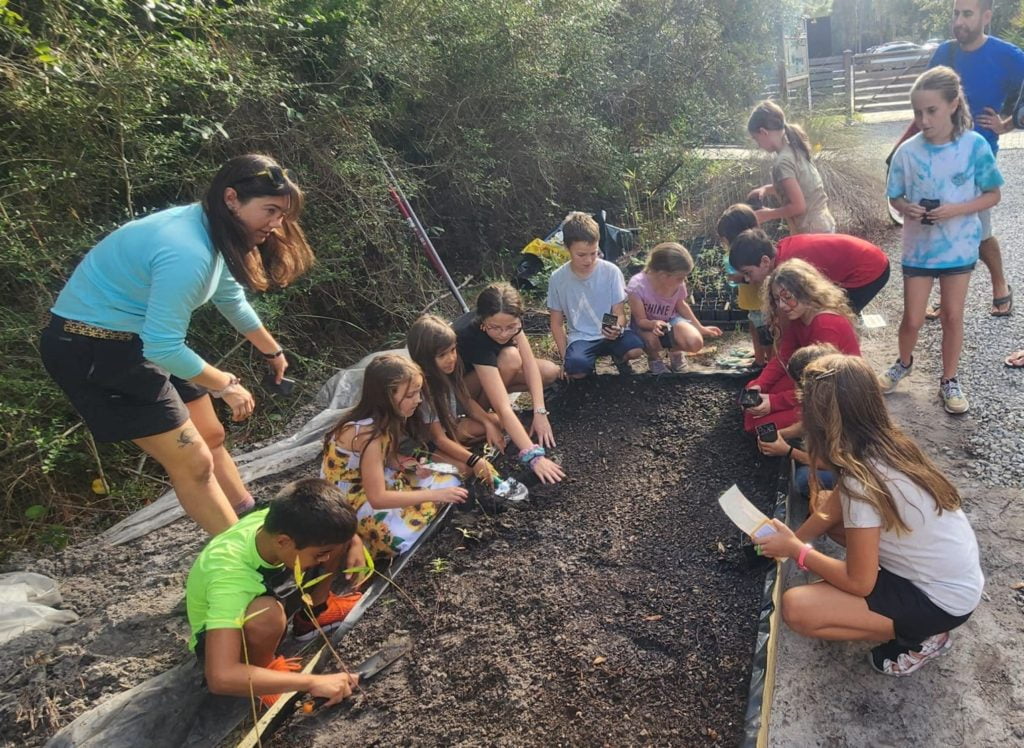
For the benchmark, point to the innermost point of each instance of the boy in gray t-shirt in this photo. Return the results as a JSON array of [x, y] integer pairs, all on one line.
[[580, 293]]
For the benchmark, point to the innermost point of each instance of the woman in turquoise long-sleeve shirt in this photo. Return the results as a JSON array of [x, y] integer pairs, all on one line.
[[116, 339]]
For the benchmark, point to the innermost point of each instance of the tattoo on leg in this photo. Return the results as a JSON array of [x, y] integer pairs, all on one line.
[[187, 436]]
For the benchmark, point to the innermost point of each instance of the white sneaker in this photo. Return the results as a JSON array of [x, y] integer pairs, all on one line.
[[952, 395], [892, 659], [892, 376]]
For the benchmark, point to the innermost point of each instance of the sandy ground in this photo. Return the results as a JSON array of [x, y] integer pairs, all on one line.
[[826, 693]]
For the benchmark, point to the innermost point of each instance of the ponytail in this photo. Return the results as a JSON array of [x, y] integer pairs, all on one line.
[[798, 140]]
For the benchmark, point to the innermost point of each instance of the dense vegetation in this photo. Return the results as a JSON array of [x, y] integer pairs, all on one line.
[[499, 115]]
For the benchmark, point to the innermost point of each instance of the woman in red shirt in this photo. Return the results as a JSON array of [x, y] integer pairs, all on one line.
[[802, 307]]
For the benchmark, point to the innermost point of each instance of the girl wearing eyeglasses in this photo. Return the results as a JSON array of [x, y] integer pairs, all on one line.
[[498, 360], [116, 340], [801, 307]]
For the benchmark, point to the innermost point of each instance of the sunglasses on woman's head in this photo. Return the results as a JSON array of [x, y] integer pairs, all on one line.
[[277, 176]]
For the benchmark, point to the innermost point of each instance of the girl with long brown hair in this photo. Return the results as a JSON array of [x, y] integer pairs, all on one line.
[[431, 344], [115, 342], [393, 497], [911, 572], [801, 307]]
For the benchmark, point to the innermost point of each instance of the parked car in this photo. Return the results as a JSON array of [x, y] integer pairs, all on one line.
[[894, 47]]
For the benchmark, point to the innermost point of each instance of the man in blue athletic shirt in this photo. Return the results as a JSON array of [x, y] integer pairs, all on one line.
[[991, 71]]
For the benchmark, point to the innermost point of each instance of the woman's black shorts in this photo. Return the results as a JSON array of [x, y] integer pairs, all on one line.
[[118, 393]]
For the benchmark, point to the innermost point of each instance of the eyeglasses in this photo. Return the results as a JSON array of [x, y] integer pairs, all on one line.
[[277, 176], [783, 296], [510, 330]]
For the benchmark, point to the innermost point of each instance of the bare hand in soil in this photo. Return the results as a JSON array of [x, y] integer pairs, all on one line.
[[763, 408], [484, 471], [333, 687], [541, 429], [495, 436], [548, 471], [710, 332], [455, 495], [241, 402], [783, 544], [776, 448]]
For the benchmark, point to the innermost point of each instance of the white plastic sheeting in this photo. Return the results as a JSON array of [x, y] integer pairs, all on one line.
[[339, 393], [26, 599]]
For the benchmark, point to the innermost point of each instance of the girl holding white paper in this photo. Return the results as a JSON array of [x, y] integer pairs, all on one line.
[[911, 572]]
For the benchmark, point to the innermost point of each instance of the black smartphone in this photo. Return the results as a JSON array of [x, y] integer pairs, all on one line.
[[284, 388], [609, 320], [750, 398], [668, 340], [767, 432], [928, 204]]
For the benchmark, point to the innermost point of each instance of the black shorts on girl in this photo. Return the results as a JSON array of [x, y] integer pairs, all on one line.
[[914, 616], [118, 393]]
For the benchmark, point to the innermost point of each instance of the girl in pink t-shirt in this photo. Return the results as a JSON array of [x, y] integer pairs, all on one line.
[[658, 310]]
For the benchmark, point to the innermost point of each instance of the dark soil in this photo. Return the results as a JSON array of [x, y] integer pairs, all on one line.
[[615, 608]]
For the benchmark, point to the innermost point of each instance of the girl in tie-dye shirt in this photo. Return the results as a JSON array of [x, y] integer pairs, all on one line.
[[939, 180]]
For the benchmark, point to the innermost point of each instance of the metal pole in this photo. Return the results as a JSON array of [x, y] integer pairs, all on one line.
[[405, 208]]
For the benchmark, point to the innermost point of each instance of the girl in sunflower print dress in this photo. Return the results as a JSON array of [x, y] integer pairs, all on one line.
[[394, 497]]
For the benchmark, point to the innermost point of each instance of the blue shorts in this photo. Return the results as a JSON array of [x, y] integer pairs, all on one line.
[[668, 340], [581, 355]]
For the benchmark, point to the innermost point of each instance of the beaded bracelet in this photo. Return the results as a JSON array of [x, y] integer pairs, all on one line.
[[275, 354]]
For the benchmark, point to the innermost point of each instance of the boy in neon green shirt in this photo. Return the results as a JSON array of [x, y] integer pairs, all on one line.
[[242, 585]]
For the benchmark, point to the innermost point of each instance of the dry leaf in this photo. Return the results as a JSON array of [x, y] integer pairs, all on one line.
[[1017, 586], [599, 659], [655, 617], [721, 548]]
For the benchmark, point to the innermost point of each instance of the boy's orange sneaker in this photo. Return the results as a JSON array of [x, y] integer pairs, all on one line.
[[338, 606], [284, 665]]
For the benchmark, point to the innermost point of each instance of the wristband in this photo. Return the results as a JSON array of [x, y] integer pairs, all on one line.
[[472, 460], [789, 454], [803, 556], [534, 461], [275, 354], [224, 390], [531, 452]]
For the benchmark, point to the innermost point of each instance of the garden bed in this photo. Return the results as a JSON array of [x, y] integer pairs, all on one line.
[[615, 608]]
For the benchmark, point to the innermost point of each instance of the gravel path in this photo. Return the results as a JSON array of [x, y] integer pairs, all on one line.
[[826, 694]]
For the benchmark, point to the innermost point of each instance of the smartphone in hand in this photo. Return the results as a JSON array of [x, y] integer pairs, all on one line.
[[750, 398], [284, 388], [767, 432], [609, 320]]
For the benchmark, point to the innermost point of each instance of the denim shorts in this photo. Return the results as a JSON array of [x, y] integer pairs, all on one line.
[[912, 272], [668, 340], [581, 355]]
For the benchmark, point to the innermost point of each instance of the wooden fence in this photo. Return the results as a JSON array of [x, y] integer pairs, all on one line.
[[865, 82]]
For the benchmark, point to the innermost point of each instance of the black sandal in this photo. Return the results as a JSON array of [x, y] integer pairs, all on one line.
[[998, 302]]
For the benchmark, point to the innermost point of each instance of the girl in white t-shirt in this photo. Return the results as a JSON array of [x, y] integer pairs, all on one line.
[[911, 572]]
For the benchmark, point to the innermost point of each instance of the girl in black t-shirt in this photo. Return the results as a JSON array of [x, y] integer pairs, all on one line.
[[498, 360]]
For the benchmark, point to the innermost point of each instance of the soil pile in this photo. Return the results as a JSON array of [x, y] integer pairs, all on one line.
[[615, 608]]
